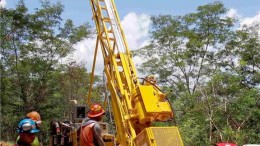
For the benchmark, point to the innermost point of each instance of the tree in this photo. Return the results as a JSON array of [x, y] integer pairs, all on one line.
[[212, 70], [32, 45], [74, 85], [184, 47]]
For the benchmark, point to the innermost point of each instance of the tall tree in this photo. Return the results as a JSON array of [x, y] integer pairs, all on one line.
[[74, 85], [184, 47], [32, 45], [213, 71]]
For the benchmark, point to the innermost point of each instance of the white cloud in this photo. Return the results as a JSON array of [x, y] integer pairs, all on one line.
[[248, 21], [2, 3], [232, 13], [136, 28], [251, 20], [84, 53]]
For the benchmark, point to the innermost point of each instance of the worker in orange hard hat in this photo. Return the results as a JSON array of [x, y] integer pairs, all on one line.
[[90, 133], [36, 118]]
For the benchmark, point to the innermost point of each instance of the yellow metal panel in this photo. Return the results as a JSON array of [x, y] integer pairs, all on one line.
[[152, 103], [150, 107], [164, 106], [141, 112], [149, 100], [159, 136], [167, 136]]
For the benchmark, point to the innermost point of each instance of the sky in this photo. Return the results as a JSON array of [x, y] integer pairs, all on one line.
[[135, 16]]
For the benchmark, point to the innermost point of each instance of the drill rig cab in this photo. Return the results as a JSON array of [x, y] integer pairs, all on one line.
[[67, 133]]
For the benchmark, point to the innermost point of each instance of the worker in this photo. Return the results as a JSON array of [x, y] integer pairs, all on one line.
[[36, 117], [90, 133], [26, 129]]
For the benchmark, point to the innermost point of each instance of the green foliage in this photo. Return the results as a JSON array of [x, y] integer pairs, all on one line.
[[183, 48], [213, 71], [32, 77]]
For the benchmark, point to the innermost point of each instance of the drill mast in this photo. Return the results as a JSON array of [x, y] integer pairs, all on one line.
[[135, 106]]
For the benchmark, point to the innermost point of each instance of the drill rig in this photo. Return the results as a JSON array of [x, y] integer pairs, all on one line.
[[135, 106]]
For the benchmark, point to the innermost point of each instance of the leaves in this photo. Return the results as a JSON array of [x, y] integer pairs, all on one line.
[[211, 70], [32, 77], [214, 71]]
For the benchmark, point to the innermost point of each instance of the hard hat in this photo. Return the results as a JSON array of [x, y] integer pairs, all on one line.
[[226, 144], [27, 125], [95, 111], [35, 116]]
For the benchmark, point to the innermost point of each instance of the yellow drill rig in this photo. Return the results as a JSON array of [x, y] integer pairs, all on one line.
[[136, 105]]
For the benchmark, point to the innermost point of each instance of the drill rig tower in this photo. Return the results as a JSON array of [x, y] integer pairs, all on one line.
[[135, 106]]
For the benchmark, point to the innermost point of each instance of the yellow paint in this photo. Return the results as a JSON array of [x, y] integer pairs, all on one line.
[[134, 106]]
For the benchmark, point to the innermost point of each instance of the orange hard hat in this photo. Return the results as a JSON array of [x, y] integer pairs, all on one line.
[[35, 116], [95, 111]]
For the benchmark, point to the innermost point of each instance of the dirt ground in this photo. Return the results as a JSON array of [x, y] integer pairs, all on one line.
[[5, 143]]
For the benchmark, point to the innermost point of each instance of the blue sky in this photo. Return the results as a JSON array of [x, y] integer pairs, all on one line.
[[135, 19], [79, 10]]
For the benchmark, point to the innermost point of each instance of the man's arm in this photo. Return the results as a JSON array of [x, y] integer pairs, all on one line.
[[97, 135]]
